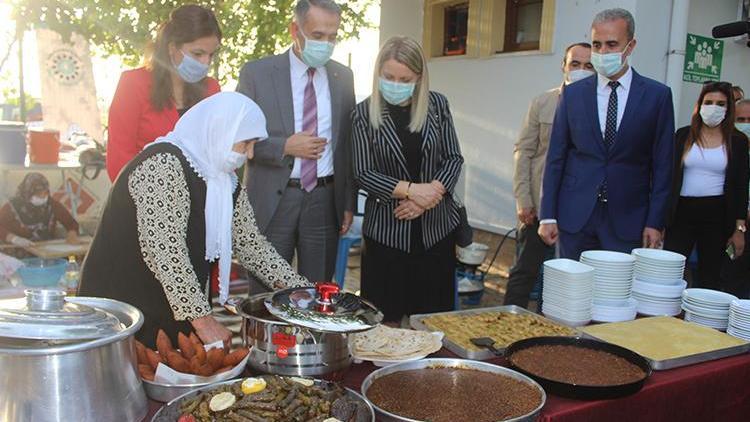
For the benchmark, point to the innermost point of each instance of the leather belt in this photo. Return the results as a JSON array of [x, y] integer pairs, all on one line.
[[322, 181]]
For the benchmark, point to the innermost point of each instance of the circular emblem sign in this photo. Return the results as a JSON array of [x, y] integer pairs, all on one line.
[[65, 66]]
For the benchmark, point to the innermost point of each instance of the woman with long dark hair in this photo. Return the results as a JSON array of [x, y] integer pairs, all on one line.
[[150, 99], [710, 186]]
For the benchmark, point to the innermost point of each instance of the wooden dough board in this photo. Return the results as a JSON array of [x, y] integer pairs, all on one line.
[[668, 342]]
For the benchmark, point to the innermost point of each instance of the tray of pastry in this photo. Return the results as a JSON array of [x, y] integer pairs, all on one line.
[[668, 342], [504, 324]]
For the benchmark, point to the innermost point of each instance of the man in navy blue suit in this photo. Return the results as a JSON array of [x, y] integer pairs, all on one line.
[[609, 165]]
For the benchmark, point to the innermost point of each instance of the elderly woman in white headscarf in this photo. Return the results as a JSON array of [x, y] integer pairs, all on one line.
[[175, 210]]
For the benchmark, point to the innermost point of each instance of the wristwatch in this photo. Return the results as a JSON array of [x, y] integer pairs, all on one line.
[[741, 228]]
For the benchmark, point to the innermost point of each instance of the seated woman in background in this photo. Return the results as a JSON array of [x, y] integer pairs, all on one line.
[[32, 215]]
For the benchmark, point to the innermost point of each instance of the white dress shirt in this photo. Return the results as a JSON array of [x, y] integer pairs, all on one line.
[[323, 97], [602, 97]]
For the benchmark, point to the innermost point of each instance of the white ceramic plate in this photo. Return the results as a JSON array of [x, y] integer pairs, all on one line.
[[566, 321], [566, 313], [741, 305], [658, 255], [568, 266], [658, 310], [607, 256]]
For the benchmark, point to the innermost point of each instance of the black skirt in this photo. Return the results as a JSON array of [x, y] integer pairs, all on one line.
[[403, 283]]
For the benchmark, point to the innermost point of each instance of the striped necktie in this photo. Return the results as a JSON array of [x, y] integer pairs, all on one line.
[[309, 168]]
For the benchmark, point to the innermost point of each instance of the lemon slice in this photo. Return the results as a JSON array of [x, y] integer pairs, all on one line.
[[304, 381], [253, 385], [221, 401]]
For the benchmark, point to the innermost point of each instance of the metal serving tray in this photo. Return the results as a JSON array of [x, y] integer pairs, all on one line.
[[663, 365], [416, 322], [385, 416], [170, 412]]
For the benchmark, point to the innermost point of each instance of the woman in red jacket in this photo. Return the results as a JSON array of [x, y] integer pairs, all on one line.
[[150, 99]]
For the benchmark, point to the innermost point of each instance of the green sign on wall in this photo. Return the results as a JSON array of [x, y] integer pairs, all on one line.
[[702, 59]]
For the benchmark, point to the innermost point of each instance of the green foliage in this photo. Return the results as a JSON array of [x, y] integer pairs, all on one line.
[[251, 28]]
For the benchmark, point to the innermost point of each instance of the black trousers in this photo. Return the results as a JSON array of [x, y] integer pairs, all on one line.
[[531, 254], [400, 283], [700, 222]]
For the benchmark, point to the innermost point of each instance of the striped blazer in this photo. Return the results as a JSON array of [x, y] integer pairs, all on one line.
[[379, 164]]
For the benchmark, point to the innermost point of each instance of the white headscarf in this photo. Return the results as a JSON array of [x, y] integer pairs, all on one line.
[[206, 134]]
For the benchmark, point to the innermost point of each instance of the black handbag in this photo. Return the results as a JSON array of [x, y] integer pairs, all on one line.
[[464, 234]]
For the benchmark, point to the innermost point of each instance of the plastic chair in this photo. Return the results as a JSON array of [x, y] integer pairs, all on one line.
[[349, 240], [342, 257]]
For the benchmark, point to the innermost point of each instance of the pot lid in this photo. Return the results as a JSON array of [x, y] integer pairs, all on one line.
[[324, 308], [47, 315]]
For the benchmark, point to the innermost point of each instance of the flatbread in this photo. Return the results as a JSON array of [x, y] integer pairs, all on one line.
[[383, 342]]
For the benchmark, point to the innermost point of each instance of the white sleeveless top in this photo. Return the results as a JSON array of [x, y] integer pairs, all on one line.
[[704, 171]]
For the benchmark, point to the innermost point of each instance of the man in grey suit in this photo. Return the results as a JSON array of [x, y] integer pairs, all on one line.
[[300, 182], [530, 153]]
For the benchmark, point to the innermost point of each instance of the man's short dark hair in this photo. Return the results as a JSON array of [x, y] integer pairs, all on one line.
[[570, 47], [303, 6]]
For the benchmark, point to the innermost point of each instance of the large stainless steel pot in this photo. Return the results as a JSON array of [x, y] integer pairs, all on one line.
[[385, 416], [69, 359], [281, 348]]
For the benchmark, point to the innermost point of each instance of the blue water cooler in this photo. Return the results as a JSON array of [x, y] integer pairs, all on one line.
[[12, 142]]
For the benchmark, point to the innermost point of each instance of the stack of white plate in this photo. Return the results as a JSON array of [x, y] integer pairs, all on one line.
[[568, 288], [658, 266], [607, 310], [707, 307], [613, 274], [658, 298], [739, 319]]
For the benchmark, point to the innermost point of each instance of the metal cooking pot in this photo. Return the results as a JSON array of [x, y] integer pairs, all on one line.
[[69, 359], [280, 348], [385, 416]]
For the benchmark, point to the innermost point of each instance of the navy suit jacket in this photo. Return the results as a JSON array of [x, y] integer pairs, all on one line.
[[638, 167]]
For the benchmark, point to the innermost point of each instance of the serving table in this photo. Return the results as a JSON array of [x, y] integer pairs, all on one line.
[[712, 391]]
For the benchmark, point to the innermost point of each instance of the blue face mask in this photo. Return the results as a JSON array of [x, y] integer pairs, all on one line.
[[316, 53], [744, 128], [609, 64], [396, 92], [191, 70]]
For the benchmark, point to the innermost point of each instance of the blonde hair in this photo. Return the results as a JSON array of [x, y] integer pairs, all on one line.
[[409, 53]]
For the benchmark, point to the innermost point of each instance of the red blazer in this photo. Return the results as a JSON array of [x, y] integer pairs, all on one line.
[[133, 123]]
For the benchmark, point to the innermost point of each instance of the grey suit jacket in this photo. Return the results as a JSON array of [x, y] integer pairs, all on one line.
[[268, 82], [530, 151]]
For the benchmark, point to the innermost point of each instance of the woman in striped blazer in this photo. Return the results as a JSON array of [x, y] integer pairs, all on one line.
[[407, 159]]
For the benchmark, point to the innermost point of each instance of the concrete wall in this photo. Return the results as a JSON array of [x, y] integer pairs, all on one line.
[[489, 96]]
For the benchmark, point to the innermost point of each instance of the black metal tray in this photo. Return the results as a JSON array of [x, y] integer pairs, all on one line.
[[582, 392]]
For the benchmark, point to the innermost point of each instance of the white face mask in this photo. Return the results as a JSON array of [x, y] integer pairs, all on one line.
[[234, 161], [578, 74], [609, 64], [38, 201], [713, 115]]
